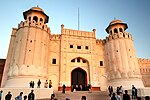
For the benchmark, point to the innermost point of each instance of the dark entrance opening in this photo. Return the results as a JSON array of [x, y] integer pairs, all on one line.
[[78, 79]]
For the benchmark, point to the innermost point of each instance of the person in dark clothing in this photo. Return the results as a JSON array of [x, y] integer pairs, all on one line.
[[110, 92], [1, 94], [126, 96], [30, 84], [63, 88], [38, 83], [111, 89], [113, 97], [147, 98], [52, 96], [139, 98], [83, 98], [8, 96], [134, 92], [25, 97], [31, 95]]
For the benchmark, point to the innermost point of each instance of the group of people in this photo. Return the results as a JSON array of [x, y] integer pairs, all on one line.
[[125, 96], [46, 84], [81, 87], [54, 98], [8, 96], [110, 89]]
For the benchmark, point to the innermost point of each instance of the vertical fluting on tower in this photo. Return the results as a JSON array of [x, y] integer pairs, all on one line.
[[120, 57], [29, 60]]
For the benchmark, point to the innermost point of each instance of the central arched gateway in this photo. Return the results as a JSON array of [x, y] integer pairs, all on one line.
[[78, 77]]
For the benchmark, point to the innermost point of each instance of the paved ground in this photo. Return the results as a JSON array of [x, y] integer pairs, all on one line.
[[101, 95]]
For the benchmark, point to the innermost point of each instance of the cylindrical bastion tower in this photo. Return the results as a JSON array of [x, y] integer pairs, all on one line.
[[120, 57], [27, 58]]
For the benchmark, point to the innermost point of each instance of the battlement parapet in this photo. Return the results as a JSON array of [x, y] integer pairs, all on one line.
[[118, 36], [78, 33], [33, 23], [99, 41], [143, 60], [55, 36]]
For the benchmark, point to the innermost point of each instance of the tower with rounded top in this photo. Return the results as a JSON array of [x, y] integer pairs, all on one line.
[[34, 53], [120, 57], [28, 53]]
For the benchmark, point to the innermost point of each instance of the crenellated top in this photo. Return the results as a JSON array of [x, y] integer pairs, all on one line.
[[77, 32], [33, 23], [99, 41], [144, 65], [118, 36], [55, 37], [143, 60]]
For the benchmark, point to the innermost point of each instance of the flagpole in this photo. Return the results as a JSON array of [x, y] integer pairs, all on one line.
[[78, 19]]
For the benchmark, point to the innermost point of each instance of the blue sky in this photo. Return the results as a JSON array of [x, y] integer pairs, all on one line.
[[93, 14]]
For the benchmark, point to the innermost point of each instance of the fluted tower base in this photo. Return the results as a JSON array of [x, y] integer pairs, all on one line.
[[126, 83], [23, 82]]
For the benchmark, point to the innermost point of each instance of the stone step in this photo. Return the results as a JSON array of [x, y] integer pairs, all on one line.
[[99, 95]]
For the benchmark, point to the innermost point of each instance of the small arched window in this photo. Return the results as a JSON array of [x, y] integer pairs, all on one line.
[[112, 37], [120, 29], [35, 18], [29, 18], [43, 26], [111, 32], [128, 36], [41, 20], [115, 30], [124, 35]]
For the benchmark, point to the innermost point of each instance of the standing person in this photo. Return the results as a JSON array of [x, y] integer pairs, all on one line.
[[63, 88], [25, 97], [31, 95], [52, 96], [113, 97], [46, 84], [133, 92], [117, 90], [120, 90], [109, 89], [38, 83], [90, 88], [8, 96], [50, 83], [136, 93], [32, 84], [83, 98], [147, 98], [126, 96], [19, 97], [1, 94], [118, 97], [139, 98]]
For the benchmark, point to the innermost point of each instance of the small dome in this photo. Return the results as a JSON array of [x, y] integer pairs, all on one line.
[[37, 9], [115, 21]]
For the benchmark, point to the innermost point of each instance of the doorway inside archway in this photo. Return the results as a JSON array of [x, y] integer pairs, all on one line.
[[79, 79]]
